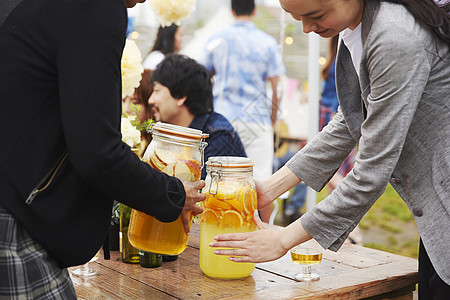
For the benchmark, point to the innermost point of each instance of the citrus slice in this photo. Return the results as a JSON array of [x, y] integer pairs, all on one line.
[[168, 170], [236, 204], [164, 156], [226, 191], [158, 164], [209, 216], [249, 218], [182, 171], [249, 201], [194, 167], [216, 204], [232, 218]]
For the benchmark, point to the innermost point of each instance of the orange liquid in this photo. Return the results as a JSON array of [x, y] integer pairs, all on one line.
[[149, 234], [146, 232], [231, 210]]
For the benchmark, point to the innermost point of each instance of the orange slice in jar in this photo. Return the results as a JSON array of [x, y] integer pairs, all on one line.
[[227, 190], [217, 204], [232, 218], [209, 216], [249, 201], [235, 204]]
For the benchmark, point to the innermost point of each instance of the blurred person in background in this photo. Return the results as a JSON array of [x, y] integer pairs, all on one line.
[[243, 60], [285, 150], [137, 105], [168, 40]]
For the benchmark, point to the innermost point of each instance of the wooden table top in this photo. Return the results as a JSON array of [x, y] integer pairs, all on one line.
[[354, 272]]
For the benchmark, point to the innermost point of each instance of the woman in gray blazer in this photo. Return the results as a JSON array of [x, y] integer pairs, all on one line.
[[393, 82]]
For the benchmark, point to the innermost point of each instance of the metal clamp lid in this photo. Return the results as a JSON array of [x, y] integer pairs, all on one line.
[[150, 128], [215, 175], [202, 147]]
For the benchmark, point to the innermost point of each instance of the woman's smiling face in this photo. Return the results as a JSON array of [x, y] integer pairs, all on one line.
[[325, 17]]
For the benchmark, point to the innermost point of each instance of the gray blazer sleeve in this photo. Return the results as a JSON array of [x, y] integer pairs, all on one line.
[[319, 160]]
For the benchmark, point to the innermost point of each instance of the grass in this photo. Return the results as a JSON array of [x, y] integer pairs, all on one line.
[[389, 225]]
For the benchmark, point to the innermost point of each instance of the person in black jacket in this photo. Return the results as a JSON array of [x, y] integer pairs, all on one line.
[[62, 161]]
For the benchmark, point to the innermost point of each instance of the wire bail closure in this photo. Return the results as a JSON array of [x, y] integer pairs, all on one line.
[[202, 147], [150, 128], [215, 175]]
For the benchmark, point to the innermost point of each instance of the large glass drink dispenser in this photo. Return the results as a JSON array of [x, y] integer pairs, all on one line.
[[176, 151], [228, 208]]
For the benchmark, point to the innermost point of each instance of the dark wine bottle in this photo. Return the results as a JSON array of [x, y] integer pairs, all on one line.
[[166, 258], [149, 259]]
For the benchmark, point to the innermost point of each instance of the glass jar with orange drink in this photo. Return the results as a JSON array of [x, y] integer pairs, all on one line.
[[176, 151], [229, 207]]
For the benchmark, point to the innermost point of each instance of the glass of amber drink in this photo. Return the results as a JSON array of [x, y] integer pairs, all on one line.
[[306, 256]]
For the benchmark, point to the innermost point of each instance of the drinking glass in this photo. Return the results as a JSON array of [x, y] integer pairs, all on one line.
[[306, 256], [85, 270]]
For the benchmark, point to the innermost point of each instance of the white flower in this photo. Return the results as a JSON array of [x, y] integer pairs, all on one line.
[[130, 135], [172, 11], [131, 68]]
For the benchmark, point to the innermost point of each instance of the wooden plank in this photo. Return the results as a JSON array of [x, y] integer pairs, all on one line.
[[109, 284], [184, 279], [357, 284], [285, 267], [347, 259]]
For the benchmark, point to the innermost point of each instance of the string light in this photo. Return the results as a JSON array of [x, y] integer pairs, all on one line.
[[289, 40], [134, 35], [322, 61]]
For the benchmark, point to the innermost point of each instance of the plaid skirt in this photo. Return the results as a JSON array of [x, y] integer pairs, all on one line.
[[26, 269]]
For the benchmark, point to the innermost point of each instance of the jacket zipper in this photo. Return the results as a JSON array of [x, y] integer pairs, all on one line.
[[47, 180]]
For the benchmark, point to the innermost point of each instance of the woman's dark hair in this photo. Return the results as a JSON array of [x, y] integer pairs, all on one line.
[[332, 51], [165, 39], [184, 77], [436, 17], [243, 7], [143, 93]]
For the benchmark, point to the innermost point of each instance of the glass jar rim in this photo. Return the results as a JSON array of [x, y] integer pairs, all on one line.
[[229, 162], [165, 129]]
